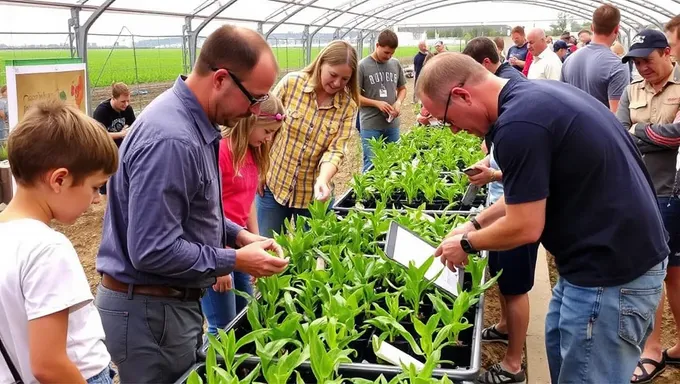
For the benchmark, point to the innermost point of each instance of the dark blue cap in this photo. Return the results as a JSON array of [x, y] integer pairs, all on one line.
[[560, 44], [644, 43]]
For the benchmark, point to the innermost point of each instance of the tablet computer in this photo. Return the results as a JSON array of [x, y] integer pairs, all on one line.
[[404, 246]]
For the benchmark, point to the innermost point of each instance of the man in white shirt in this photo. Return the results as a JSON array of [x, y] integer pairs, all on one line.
[[546, 64]]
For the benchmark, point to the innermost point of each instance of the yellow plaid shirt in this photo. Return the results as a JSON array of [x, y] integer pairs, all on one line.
[[310, 136]]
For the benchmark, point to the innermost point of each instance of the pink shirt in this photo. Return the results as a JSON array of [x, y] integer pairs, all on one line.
[[238, 191]]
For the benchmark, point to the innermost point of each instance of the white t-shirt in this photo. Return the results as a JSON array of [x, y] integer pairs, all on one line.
[[40, 274], [546, 66]]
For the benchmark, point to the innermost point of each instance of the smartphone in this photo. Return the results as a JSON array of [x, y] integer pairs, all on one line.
[[471, 171]]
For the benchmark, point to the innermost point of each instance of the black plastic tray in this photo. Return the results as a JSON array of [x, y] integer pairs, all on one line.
[[342, 207]]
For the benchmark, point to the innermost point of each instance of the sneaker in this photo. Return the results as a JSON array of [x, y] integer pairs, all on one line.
[[491, 335], [497, 375]]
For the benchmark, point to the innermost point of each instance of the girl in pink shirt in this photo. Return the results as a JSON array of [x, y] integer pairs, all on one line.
[[244, 158]]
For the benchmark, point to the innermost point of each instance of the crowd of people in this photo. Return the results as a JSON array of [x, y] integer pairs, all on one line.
[[579, 159]]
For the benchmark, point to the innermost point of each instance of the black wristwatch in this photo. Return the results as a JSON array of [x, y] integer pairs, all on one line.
[[465, 244], [475, 223]]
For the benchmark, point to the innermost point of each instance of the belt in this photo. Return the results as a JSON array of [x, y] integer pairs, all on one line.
[[152, 290]]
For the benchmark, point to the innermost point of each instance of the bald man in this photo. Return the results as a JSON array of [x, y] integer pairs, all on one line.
[[565, 159], [546, 65]]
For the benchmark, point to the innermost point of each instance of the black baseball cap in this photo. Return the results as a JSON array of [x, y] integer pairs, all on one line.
[[644, 43], [560, 44]]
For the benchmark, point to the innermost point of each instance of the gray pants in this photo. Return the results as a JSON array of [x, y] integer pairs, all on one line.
[[150, 339]]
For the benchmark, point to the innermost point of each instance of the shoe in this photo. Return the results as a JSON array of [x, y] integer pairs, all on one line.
[[497, 375], [491, 335], [648, 377]]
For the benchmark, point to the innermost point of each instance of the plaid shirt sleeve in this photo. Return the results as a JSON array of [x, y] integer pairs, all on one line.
[[335, 153]]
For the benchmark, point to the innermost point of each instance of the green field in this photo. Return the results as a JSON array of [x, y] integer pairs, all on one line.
[[153, 65]]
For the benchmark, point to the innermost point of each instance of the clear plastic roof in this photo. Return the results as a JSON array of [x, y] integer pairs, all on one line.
[[48, 18]]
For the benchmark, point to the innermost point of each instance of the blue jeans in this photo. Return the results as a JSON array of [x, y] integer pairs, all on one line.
[[104, 377], [221, 308], [596, 334], [391, 135], [271, 214]]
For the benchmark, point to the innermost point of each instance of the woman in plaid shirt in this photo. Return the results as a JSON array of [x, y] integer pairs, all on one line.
[[321, 106]]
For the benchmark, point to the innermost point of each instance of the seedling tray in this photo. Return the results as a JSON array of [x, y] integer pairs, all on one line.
[[467, 355], [347, 202]]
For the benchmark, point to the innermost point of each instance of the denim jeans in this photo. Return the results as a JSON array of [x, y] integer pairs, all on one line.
[[271, 214], [104, 377], [596, 334], [221, 308], [390, 135]]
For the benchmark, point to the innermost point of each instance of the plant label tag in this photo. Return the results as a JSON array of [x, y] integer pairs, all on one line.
[[394, 356], [320, 264], [403, 246]]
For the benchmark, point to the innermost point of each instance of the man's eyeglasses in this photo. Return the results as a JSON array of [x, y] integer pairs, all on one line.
[[253, 100], [448, 102]]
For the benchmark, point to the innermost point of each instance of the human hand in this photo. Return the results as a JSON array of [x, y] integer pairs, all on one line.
[[245, 237], [385, 107], [321, 190], [254, 260], [451, 253], [223, 284], [482, 178], [260, 188], [125, 131], [396, 107]]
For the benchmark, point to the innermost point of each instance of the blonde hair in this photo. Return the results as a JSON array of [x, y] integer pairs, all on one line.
[[118, 89], [337, 52], [448, 68], [55, 135], [618, 49], [238, 136]]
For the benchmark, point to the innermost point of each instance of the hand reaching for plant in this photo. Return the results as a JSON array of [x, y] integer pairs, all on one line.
[[321, 190], [223, 284], [246, 237], [254, 259], [451, 253]]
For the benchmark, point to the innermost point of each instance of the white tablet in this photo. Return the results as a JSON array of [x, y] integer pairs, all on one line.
[[403, 246]]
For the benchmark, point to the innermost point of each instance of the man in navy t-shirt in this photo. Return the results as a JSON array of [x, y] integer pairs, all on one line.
[[517, 54], [573, 180]]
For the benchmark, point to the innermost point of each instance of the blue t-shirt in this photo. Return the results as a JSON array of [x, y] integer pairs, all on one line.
[[519, 53], [598, 71], [505, 71], [602, 220]]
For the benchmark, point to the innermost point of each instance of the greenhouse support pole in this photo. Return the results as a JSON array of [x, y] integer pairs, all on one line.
[[307, 45], [81, 35], [360, 44], [193, 36], [336, 33], [73, 24], [186, 31], [260, 28]]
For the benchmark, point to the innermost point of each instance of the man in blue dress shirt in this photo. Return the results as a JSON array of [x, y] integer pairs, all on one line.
[[165, 237]]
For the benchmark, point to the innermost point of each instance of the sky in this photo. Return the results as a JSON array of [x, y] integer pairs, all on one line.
[[37, 20]]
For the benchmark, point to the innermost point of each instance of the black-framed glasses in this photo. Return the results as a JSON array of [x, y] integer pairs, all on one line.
[[253, 100], [448, 102]]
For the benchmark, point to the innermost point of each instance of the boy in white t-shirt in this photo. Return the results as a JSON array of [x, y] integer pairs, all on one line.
[[49, 326]]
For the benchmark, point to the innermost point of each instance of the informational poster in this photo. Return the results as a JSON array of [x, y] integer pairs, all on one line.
[[31, 81]]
